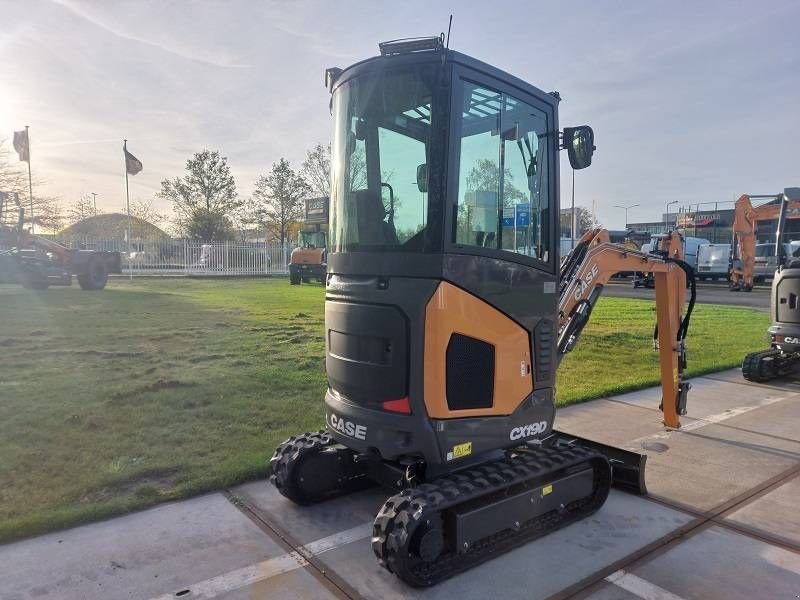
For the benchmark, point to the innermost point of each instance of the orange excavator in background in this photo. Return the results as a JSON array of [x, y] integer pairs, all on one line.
[[745, 224]]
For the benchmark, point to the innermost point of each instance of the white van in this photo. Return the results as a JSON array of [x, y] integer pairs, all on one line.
[[690, 246], [713, 261]]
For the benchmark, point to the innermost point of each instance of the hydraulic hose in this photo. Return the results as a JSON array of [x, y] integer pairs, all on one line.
[[573, 261], [690, 276]]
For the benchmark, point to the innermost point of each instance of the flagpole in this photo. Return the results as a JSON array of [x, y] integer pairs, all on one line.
[[127, 204], [30, 184]]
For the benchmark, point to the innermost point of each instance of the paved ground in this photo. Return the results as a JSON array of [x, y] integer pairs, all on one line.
[[708, 293], [721, 521]]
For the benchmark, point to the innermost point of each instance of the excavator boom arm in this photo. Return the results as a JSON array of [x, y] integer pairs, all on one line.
[[589, 267], [745, 224]]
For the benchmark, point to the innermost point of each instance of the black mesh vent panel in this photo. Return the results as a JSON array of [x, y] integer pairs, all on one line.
[[470, 373]]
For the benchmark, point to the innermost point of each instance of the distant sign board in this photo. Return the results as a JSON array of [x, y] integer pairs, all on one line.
[[518, 216], [523, 215], [317, 210], [508, 217]]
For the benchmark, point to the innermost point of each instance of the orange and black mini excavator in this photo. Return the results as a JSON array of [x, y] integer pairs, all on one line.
[[783, 356], [448, 310]]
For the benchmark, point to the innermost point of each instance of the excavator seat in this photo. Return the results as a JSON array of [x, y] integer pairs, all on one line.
[[372, 229]]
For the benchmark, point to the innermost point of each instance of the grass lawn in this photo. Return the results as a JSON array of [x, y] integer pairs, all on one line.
[[158, 389]]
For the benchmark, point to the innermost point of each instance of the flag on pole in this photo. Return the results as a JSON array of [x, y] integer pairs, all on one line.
[[132, 164], [22, 145]]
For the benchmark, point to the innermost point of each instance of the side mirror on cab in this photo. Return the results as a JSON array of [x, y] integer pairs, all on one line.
[[579, 143], [422, 177]]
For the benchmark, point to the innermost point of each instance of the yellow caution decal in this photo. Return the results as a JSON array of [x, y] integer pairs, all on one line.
[[548, 489], [460, 451]]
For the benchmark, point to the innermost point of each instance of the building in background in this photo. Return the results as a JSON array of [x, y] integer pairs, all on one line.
[[714, 224]]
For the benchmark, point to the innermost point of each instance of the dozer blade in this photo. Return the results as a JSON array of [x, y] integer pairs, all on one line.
[[627, 467]]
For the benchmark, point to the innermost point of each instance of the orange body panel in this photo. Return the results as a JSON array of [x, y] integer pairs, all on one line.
[[452, 310]]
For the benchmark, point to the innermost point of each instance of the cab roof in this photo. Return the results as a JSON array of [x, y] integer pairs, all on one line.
[[429, 56]]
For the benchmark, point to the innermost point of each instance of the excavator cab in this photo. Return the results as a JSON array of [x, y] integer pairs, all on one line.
[[447, 310], [441, 306]]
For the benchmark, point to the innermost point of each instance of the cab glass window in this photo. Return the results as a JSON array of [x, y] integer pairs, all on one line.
[[503, 174], [381, 149]]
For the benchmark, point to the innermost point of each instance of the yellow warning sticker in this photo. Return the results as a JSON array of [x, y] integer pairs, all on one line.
[[547, 489], [461, 450]]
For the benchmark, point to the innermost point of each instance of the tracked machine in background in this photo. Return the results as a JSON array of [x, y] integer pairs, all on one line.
[[309, 259], [745, 224], [446, 319], [37, 263], [783, 356]]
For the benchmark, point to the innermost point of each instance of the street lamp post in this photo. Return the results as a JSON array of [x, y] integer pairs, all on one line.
[[666, 214], [626, 208], [94, 203]]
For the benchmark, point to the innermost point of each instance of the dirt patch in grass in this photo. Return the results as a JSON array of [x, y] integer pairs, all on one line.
[[205, 358], [146, 484], [156, 386]]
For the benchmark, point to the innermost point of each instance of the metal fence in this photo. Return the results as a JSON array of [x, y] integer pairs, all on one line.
[[190, 257]]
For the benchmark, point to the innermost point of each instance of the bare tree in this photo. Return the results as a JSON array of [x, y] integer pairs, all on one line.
[[316, 170], [281, 195], [144, 209], [583, 221], [46, 213], [13, 179], [81, 209], [249, 216], [145, 213]]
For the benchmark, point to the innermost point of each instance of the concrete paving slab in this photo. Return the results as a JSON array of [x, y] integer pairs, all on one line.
[[790, 383], [305, 524], [705, 467], [719, 563], [779, 419], [296, 585], [537, 570], [609, 422], [713, 397], [775, 512], [609, 591], [144, 554]]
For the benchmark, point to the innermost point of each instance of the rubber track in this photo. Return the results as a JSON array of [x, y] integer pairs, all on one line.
[[401, 515], [297, 449], [755, 369]]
